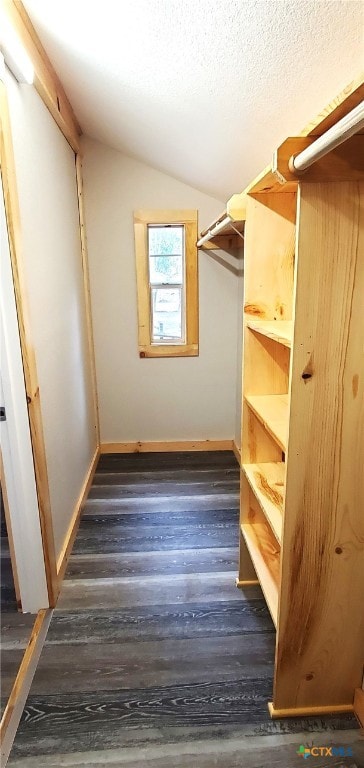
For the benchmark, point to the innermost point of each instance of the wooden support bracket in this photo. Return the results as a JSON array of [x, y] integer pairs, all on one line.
[[236, 207], [345, 163]]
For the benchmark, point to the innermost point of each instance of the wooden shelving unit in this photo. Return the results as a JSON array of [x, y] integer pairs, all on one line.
[[302, 454]]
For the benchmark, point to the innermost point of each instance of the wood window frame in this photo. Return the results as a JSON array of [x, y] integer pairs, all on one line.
[[189, 218]]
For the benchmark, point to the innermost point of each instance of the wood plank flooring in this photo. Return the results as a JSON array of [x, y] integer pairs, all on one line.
[[153, 657]]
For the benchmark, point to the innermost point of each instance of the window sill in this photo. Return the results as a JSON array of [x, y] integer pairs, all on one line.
[[169, 350]]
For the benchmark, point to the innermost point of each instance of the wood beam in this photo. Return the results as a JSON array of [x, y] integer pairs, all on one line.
[[46, 81]]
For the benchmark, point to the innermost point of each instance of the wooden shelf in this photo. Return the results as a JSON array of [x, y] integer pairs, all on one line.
[[272, 412], [267, 481], [264, 552], [279, 330]]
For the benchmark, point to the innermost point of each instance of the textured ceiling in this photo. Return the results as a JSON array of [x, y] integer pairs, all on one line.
[[201, 89]]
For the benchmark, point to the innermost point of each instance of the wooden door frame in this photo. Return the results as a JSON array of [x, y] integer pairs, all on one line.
[[12, 214]]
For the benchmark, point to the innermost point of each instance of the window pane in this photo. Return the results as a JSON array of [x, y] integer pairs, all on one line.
[[165, 241], [166, 269], [166, 314]]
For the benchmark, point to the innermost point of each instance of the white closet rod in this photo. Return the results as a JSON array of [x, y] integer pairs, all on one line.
[[352, 123], [214, 231]]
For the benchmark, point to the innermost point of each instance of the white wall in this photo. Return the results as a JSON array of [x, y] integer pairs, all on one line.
[[45, 167], [154, 399]]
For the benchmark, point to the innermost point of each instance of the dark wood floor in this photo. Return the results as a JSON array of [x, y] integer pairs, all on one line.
[[16, 627], [153, 657]]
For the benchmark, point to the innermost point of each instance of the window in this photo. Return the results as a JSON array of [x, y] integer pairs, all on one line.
[[167, 283]]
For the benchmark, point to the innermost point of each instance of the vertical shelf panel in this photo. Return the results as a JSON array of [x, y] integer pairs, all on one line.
[[323, 534], [266, 368], [270, 247]]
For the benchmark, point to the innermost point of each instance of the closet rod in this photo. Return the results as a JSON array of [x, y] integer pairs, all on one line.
[[214, 231], [352, 123]]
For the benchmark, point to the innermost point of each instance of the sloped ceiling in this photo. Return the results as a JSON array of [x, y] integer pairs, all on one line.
[[201, 89]]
